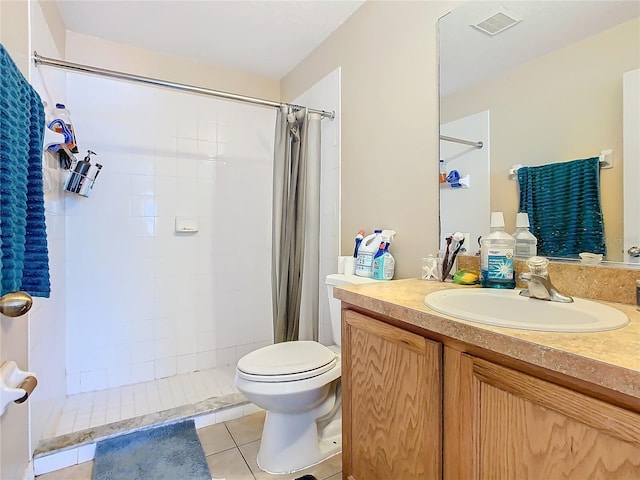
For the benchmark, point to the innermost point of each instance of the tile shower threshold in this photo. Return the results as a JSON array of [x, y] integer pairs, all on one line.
[[49, 446]]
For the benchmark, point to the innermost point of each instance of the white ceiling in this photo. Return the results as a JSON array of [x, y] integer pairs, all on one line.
[[265, 37], [270, 37], [468, 56]]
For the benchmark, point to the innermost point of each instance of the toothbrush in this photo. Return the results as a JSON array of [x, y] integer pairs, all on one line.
[[359, 238], [459, 237], [446, 257]]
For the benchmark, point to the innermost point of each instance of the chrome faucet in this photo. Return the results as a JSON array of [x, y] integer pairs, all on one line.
[[539, 284]]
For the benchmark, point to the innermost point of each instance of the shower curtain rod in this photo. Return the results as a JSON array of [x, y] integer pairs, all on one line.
[[458, 140], [76, 67]]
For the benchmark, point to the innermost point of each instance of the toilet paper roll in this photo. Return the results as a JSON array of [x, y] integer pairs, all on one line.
[[15, 385], [28, 385], [341, 264]]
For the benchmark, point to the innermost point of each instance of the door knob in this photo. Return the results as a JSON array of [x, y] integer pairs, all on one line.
[[634, 251], [15, 304]]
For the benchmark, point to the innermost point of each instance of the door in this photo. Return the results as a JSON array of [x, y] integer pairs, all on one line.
[[510, 425], [391, 400], [631, 168], [14, 424]]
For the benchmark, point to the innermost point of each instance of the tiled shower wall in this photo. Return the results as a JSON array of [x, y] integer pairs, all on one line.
[[144, 301]]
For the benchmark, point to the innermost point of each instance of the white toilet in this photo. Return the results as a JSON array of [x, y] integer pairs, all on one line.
[[298, 384]]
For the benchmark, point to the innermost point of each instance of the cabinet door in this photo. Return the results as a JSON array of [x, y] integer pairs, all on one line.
[[501, 423], [392, 412]]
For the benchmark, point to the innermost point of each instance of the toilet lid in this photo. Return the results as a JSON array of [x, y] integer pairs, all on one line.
[[288, 361]]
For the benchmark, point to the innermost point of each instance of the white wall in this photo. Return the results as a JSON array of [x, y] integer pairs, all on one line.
[[325, 95], [387, 52], [90, 50], [143, 301], [466, 209]]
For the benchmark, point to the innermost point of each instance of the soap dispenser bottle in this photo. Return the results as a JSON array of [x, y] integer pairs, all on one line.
[[80, 173], [526, 242], [496, 256]]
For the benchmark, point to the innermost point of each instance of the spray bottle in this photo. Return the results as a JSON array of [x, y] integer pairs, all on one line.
[[378, 261], [383, 262]]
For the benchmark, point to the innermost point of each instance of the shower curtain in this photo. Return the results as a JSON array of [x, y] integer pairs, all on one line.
[[296, 225]]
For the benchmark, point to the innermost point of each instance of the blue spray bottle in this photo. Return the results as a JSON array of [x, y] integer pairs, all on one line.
[[383, 261], [378, 261]]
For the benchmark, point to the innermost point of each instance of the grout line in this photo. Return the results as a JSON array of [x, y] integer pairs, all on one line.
[[246, 463], [221, 451], [231, 435]]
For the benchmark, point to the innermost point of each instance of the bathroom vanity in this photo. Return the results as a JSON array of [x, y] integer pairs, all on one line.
[[427, 396]]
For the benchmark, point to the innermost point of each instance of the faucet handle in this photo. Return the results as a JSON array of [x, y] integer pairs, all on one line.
[[538, 265]]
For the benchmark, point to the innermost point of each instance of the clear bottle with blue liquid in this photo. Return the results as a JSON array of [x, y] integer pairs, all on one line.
[[496, 256]]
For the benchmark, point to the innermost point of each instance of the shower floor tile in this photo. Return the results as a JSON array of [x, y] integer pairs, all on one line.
[[94, 409]]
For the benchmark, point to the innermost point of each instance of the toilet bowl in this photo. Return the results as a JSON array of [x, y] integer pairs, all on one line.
[[298, 384]]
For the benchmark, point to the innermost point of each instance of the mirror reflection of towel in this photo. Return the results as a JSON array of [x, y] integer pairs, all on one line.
[[563, 203], [24, 257]]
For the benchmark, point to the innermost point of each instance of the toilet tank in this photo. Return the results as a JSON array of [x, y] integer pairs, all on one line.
[[335, 280]]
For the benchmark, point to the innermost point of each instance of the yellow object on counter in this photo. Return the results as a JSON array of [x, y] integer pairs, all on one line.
[[466, 277]]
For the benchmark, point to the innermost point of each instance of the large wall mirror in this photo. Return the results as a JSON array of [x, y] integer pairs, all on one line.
[[546, 89]]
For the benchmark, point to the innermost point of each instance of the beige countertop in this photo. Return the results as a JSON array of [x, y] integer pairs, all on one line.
[[609, 359]]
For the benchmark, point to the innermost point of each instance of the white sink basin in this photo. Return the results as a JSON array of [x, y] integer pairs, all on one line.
[[506, 308]]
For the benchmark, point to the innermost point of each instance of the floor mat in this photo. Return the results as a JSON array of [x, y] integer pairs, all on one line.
[[168, 452]]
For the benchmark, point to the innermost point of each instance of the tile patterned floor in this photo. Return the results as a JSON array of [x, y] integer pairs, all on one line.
[[93, 409], [231, 448]]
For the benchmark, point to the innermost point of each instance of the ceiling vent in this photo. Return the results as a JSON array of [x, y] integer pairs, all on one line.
[[498, 22]]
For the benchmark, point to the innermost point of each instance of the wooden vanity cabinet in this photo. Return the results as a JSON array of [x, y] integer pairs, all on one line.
[[414, 408], [391, 402], [500, 423]]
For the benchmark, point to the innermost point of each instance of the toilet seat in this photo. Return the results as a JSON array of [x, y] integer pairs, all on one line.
[[287, 361]]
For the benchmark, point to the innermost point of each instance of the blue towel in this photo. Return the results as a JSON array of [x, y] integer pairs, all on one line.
[[24, 257], [563, 203]]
